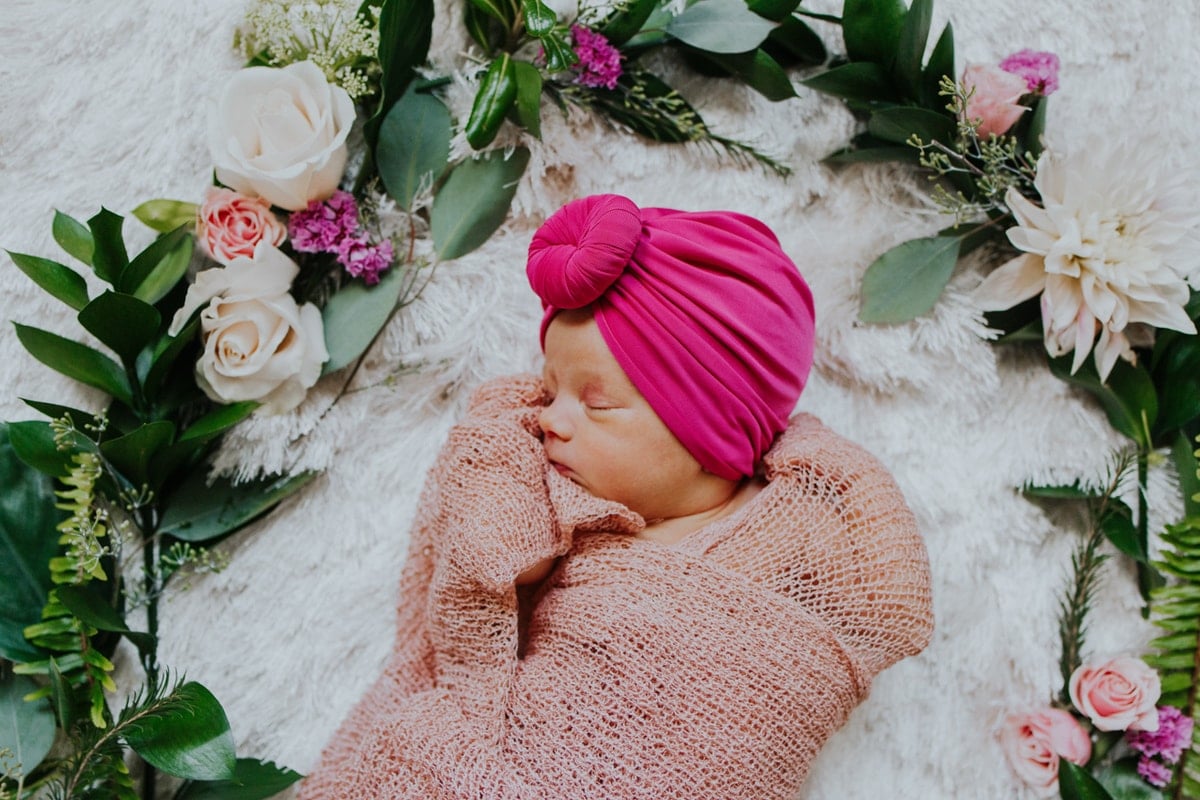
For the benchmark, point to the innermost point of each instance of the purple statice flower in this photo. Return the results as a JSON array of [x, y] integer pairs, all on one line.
[[1038, 68], [599, 62], [1173, 735], [363, 259], [324, 224], [1155, 773]]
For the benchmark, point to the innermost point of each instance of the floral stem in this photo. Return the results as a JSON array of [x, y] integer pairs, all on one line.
[[152, 589], [1145, 572]]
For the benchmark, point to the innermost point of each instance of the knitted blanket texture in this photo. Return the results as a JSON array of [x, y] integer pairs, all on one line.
[[711, 669]]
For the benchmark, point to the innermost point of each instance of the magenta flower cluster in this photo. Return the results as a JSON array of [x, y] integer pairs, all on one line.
[[1166, 744], [331, 226], [1038, 68], [599, 62]]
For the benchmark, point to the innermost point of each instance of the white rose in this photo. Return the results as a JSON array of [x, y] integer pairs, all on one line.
[[258, 344], [281, 134]]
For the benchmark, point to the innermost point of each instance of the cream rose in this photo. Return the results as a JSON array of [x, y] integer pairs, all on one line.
[[1117, 695], [230, 225], [1034, 742], [281, 134], [258, 344]]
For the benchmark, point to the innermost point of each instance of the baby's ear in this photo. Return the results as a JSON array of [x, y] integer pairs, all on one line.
[[503, 396]]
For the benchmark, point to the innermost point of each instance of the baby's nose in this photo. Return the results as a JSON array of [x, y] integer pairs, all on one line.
[[553, 422]]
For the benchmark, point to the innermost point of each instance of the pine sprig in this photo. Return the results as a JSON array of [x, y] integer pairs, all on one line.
[[1176, 610], [1076, 604]]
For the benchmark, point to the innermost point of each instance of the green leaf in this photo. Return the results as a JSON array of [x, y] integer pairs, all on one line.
[[149, 259], [494, 10], [167, 273], [1062, 492], [774, 10], [28, 540], [558, 52], [794, 42], [166, 353], [1128, 394], [1184, 456], [898, 123], [222, 418], [131, 454], [620, 27], [109, 258], [862, 81], [760, 72], [414, 144], [1122, 780], [474, 202], [405, 30], [73, 237], [871, 155], [355, 315], [80, 418], [1037, 127], [26, 728], [496, 95], [187, 737], [252, 780], [76, 361], [59, 280], [941, 64], [907, 280], [1120, 530], [88, 604], [720, 26], [871, 29], [539, 18], [62, 698], [1075, 783], [910, 50], [122, 322], [33, 443], [197, 512], [165, 216], [1177, 375], [529, 97]]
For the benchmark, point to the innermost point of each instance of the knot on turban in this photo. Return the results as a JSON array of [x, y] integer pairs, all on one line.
[[705, 313]]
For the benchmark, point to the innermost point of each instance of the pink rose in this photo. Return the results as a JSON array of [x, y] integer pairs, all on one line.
[[994, 101], [1118, 695], [231, 224], [1033, 742]]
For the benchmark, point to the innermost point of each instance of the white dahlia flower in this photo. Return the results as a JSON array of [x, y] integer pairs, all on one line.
[[1114, 244]]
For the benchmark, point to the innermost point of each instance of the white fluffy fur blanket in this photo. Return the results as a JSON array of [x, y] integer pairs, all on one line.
[[104, 103]]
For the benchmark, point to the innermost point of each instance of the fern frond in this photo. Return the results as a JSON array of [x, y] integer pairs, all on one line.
[[1176, 610]]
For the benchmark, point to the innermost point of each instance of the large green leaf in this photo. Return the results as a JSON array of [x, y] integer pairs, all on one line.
[[122, 322], [164, 215], [109, 257], [167, 272], [760, 71], [59, 280], [1076, 783], [720, 26], [1177, 375], [405, 30], [907, 280], [132, 453], [89, 605], [73, 237], [76, 361], [414, 144], [529, 97], [898, 123], [540, 19], [941, 64], [26, 729], [474, 202], [862, 81], [28, 540], [1127, 397], [33, 443], [186, 736], [354, 315], [871, 29], [197, 512], [166, 352], [146, 261], [252, 780], [910, 50], [794, 42], [774, 10], [628, 20], [497, 94]]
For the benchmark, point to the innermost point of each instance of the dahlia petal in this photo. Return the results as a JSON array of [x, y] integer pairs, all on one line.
[[1161, 315], [1013, 282]]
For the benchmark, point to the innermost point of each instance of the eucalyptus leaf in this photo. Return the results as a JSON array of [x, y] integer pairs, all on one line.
[[474, 202], [628, 20], [861, 81], [355, 315], [28, 540], [529, 97], [166, 215], [910, 49], [720, 26], [405, 31], [899, 123], [26, 728], [109, 257], [906, 281], [414, 145], [871, 29], [73, 237], [122, 322], [252, 780], [187, 736], [760, 72], [76, 361], [198, 512], [1076, 783], [496, 95], [131, 454], [59, 280], [86, 603]]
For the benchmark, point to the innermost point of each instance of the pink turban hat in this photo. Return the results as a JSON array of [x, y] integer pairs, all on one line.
[[707, 315]]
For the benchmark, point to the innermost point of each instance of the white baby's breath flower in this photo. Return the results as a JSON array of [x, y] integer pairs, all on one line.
[[1114, 244]]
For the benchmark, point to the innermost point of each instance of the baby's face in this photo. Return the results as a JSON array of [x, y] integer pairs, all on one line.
[[601, 433]]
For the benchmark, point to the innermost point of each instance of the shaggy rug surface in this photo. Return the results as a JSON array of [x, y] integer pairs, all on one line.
[[105, 104]]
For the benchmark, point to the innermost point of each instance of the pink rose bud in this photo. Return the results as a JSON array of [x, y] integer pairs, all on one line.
[[231, 224], [994, 100], [1117, 695], [1033, 743]]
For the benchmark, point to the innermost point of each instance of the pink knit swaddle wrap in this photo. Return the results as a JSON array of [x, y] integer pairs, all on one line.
[[706, 314]]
